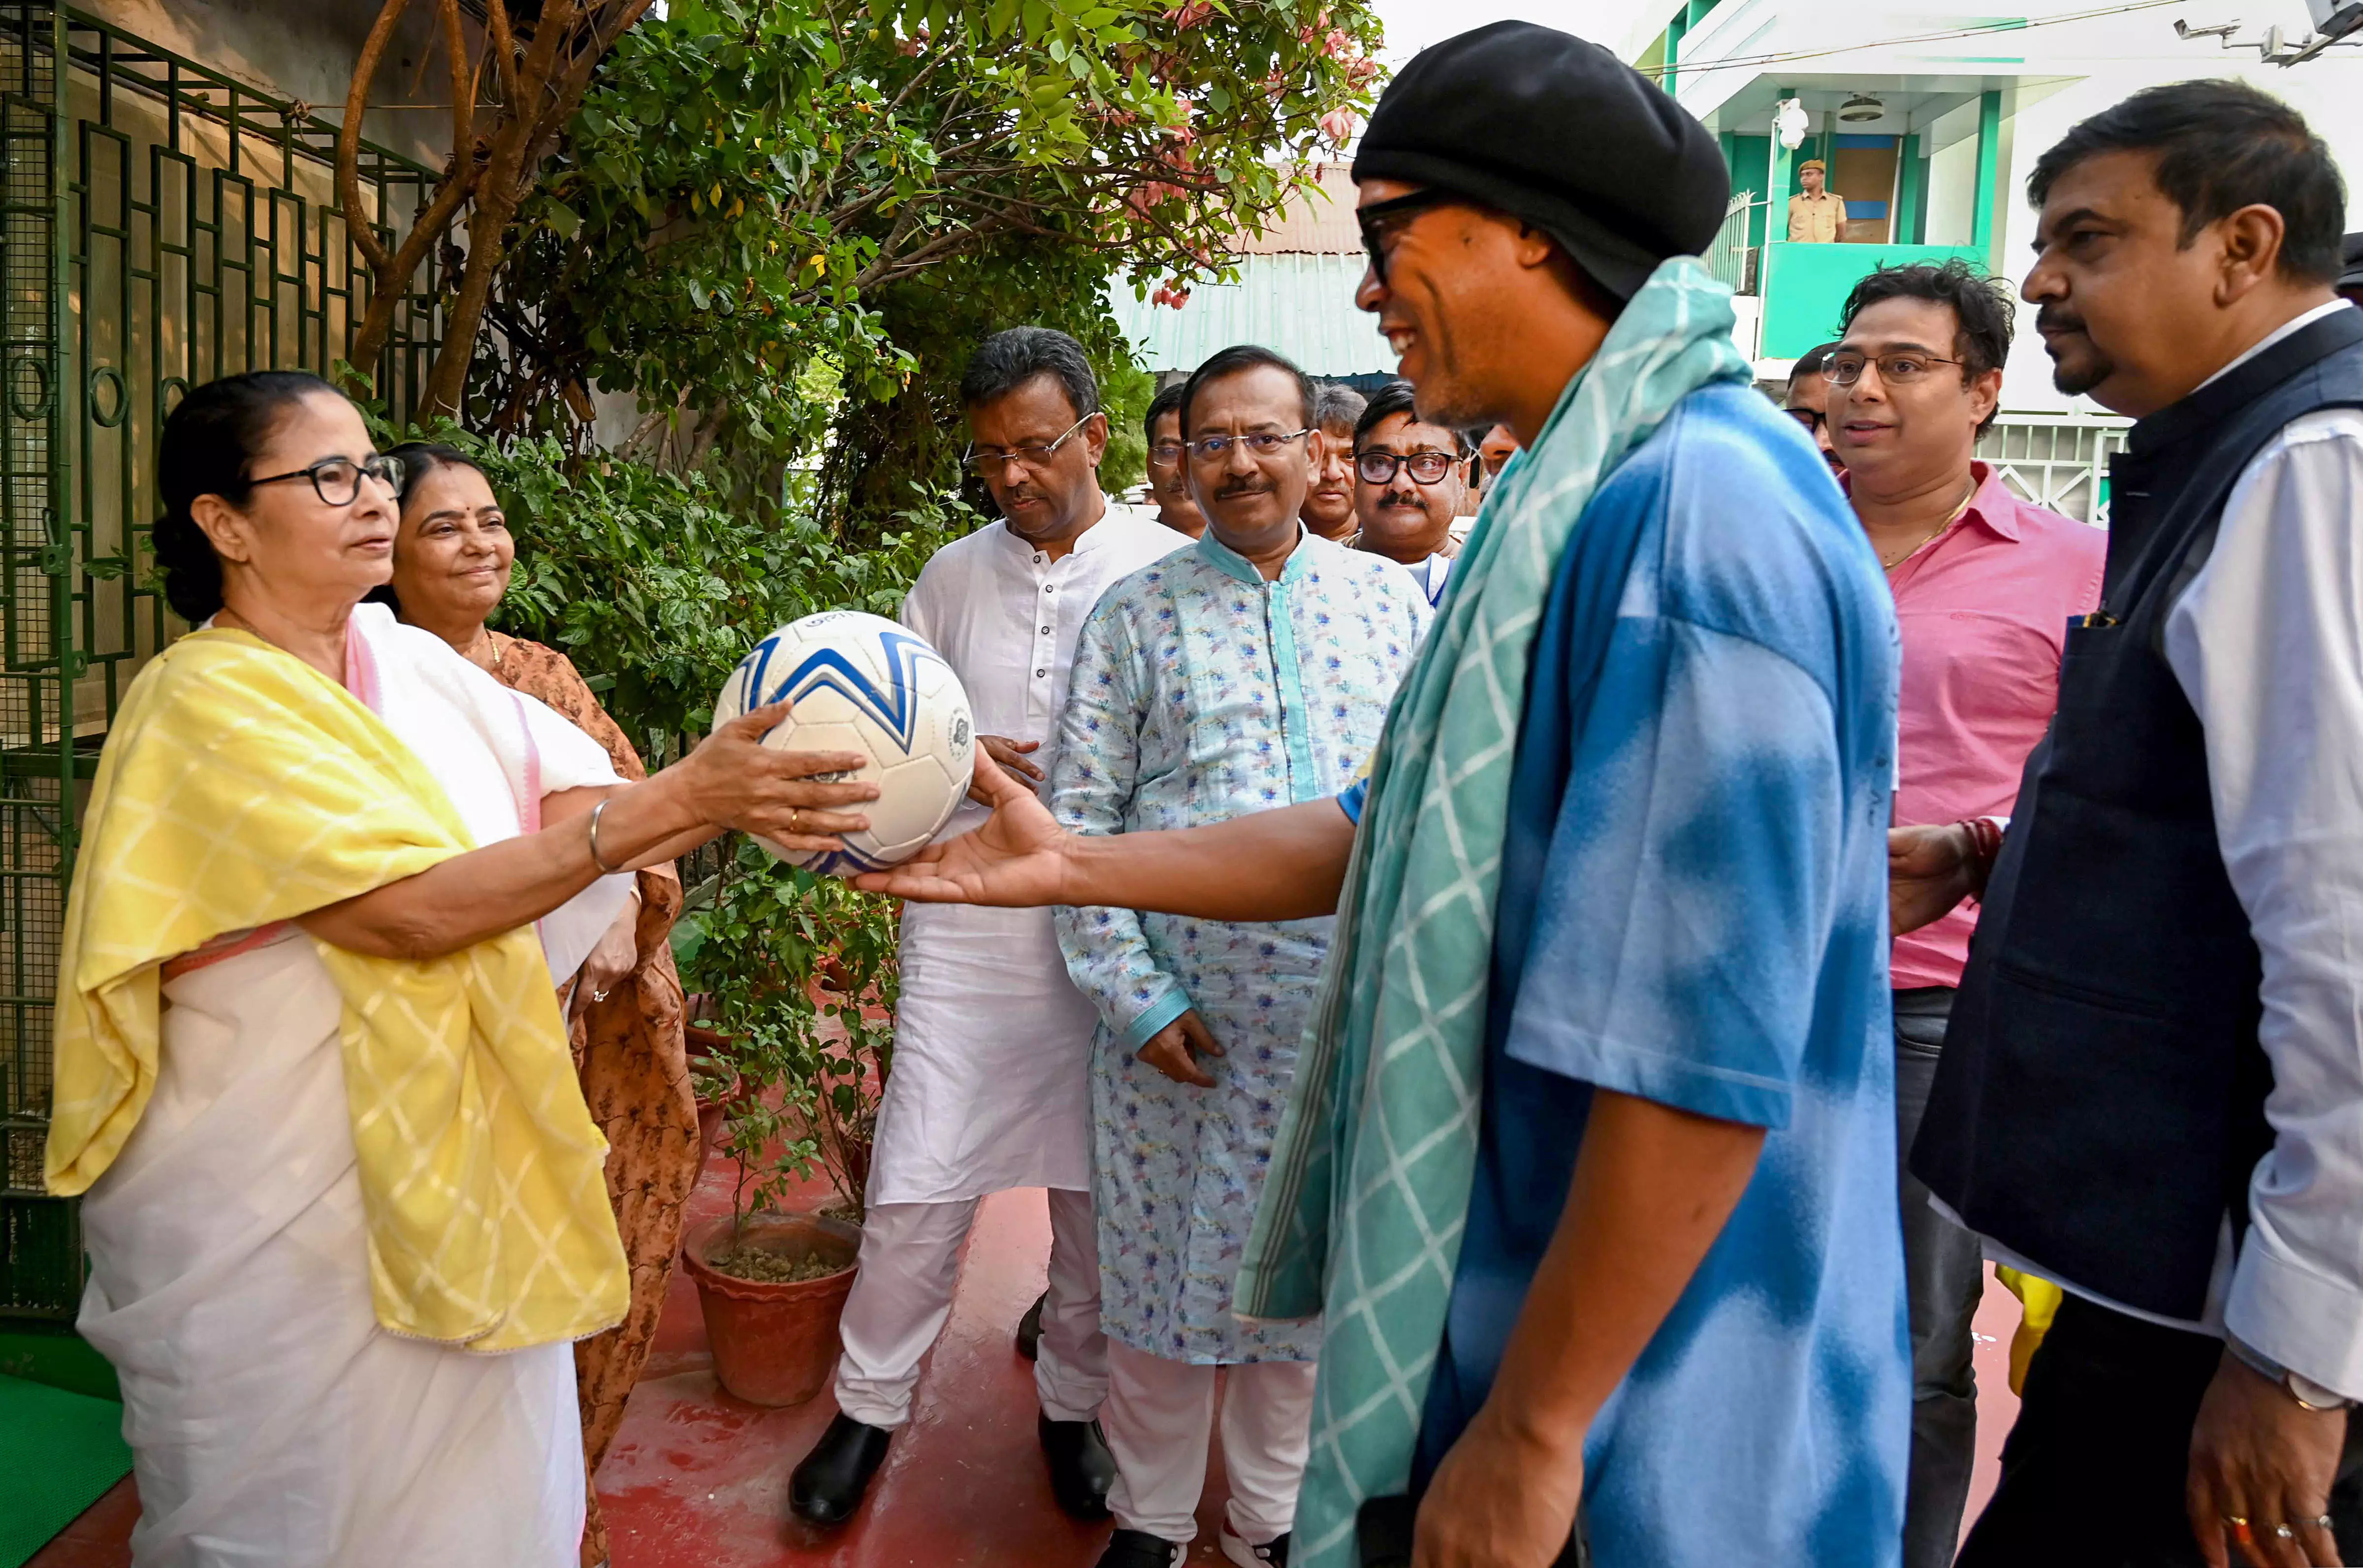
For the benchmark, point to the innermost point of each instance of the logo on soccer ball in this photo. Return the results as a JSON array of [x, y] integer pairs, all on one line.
[[959, 734]]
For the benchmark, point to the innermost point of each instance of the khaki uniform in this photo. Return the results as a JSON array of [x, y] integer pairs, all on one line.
[[1816, 218]]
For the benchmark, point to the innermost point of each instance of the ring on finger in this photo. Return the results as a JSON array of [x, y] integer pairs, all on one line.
[[2285, 1532], [795, 815], [2322, 1521]]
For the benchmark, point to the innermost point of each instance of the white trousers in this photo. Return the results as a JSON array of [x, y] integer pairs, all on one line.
[[1160, 1417], [902, 1295]]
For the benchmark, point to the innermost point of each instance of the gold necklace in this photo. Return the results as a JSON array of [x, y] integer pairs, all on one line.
[[484, 637], [1917, 545]]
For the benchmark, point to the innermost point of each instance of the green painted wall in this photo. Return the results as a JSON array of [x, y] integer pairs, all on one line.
[[1911, 225], [1982, 214], [1750, 158], [1805, 288]]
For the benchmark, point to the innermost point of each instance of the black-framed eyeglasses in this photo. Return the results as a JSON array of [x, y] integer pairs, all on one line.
[[336, 481], [1380, 468], [1899, 369], [1812, 418], [983, 464], [1381, 220], [1167, 452], [1262, 443]]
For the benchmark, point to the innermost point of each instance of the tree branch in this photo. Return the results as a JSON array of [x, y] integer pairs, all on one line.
[[349, 135]]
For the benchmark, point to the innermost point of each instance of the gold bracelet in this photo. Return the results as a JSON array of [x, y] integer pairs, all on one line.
[[596, 857]]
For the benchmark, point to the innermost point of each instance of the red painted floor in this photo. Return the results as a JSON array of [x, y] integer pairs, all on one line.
[[698, 1480]]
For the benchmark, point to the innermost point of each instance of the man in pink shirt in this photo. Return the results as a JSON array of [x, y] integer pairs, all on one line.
[[1984, 585]]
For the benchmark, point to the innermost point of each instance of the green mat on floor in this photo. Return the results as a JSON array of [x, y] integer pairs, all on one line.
[[59, 1451]]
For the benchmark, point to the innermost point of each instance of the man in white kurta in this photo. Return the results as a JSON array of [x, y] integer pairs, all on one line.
[[992, 1085]]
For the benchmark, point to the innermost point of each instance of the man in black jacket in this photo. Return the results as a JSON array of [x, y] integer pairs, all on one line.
[[2152, 1087]]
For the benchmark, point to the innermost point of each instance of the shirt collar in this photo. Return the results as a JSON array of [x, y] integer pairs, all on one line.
[[2286, 330], [1090, 539], [1231, 564], [1992, 504]]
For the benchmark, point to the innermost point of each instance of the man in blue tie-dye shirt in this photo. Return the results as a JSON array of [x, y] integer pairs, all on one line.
[[1676, 1296]]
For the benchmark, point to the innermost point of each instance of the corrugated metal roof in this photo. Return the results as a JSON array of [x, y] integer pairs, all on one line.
[[1299, 306], [1319, 219]]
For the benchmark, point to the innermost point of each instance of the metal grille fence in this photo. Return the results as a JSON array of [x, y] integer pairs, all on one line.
[[163, 224], [2059, 461]]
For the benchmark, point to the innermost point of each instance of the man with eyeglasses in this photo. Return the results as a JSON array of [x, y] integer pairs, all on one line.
[[1251, 670], [1168, 476], [1408, 487], [1985, 586], [1808, 401], [991, 1088]]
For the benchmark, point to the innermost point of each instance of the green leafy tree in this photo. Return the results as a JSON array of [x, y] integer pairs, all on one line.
[[756, 186]]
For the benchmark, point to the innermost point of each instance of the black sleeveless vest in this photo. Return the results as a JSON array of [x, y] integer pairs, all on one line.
[[2100, 1104]]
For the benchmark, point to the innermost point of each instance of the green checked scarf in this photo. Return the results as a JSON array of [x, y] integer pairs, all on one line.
[[1361, 1216]]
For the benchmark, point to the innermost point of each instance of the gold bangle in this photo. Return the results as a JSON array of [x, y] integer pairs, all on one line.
[[596, 857]]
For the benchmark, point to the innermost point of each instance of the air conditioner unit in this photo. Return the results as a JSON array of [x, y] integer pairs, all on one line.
[[2335, 18], [1862, 107]]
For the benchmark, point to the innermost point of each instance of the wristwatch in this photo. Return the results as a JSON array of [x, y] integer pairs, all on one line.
[[2308, 1395]]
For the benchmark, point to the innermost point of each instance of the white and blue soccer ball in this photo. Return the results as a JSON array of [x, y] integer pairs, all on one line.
[[861, 683]]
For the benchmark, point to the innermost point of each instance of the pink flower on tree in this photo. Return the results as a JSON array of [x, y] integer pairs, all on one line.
[[1337, 125], [1191, 12]]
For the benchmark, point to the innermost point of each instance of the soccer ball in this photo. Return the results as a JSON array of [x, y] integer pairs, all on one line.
[[861, 683]]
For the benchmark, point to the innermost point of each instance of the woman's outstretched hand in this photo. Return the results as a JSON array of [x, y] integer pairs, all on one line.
[[732, 780], [1018, 858]]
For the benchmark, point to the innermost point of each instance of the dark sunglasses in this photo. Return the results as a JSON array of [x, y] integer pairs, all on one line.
[[1810, 419], [1381, 220]]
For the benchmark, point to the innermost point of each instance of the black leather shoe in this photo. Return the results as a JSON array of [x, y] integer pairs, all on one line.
[[1138, 1548], [1082, 1468], [1029, 1328], [827, 1486]]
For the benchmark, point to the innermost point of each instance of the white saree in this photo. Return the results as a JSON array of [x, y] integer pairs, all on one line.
[[273, 1423]]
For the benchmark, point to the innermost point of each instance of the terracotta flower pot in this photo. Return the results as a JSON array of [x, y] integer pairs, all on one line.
[[773, 1344], [705, 1056]]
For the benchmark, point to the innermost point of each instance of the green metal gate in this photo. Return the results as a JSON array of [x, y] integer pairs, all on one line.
[[160, 225]]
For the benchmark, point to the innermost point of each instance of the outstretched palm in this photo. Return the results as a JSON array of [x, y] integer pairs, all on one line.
[[1018, 858]]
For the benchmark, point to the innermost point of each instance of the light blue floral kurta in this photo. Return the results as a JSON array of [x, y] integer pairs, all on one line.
[[1203, 692]]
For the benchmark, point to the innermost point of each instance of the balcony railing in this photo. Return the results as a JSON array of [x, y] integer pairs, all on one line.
[[1731, 258]]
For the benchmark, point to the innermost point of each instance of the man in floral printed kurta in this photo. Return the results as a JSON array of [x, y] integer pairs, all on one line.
[[1250, 671]]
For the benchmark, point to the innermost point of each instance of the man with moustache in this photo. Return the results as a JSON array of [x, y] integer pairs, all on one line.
[[2152, 1085], [1408, 487], [1808, 401], [1251, 670], [1816, 215], [992, 1041], [1329, 503], [1168, 476], [1985, 584], [1589, 1161]]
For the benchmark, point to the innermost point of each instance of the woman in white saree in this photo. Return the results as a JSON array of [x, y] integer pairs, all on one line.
[[343, 1207]]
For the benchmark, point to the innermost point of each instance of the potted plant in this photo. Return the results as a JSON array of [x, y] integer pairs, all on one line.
[[799, 972]]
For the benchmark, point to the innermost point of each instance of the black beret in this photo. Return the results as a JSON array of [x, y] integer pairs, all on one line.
[[1560, 133]]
